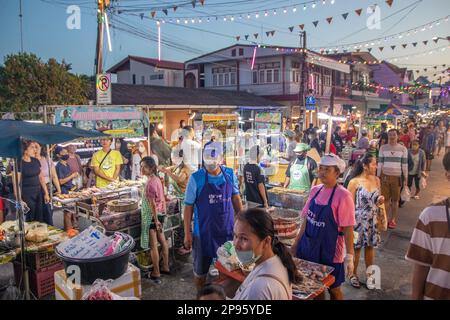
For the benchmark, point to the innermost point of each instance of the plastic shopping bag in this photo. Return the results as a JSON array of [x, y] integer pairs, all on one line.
[[423, 183], [406, 194]]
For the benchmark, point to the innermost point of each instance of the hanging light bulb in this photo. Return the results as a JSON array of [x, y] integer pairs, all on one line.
[[266, 14], [248, 16], [304, 7], [294, 9], [313, 5], [332, 1], [274, 12], [257, 15], [284, 11], [178, 20], [232, 18], [323, 2]]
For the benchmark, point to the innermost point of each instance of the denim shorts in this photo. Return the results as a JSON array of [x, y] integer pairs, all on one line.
[[201, 262]]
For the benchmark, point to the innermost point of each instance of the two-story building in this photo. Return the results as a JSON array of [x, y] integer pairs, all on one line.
[[364, 98], [274, 73], [147, 71]]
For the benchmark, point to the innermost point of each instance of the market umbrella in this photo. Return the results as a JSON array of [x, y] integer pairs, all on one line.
[[13, 133]]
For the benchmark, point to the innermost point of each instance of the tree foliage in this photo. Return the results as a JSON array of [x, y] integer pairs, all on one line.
[[26, 82]]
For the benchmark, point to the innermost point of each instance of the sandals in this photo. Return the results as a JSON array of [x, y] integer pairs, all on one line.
[[354, 281], [392, 225], [156, 280]]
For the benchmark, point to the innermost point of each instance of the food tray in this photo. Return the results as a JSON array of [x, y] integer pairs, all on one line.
[[122, 205], [307, 289], [313, 270], [285, 198]]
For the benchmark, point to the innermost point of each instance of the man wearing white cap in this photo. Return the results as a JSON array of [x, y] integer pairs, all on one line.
[[327, 231], [212, 199]]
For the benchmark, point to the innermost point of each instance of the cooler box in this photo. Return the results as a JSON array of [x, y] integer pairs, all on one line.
[[128, 285]]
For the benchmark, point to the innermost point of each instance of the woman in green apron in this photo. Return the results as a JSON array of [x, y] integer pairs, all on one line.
[[302, 171]]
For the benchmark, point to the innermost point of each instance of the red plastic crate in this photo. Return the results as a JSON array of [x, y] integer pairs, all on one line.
[[42, 283], [41, 260]]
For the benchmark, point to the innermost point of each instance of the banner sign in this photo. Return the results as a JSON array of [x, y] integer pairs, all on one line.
[[119, 122]]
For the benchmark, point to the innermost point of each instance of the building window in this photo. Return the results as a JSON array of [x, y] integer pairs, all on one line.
[[224, 76], [233, 53], [327, 80], [134, 79], [261, 76], [276, 75], [241, 51], [157, 76], [161, 76], [269, 78], [233, 78], [255, 77], [142, 79], [295, 76]]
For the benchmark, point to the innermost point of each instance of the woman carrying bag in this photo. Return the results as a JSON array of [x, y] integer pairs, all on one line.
[[365, 187]]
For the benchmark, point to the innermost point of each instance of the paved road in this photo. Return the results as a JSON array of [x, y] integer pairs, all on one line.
[[395, 271]]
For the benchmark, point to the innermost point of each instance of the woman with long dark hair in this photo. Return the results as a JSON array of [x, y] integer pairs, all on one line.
[[275, 271], [365, 187], [152, 219], [34, 190]]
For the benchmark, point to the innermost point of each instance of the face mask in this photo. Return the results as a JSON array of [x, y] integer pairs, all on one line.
[[141, 149], [247, 257], [65, 157], [211, 165]]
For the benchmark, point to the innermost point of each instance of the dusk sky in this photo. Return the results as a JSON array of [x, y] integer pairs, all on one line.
[[45, 32]]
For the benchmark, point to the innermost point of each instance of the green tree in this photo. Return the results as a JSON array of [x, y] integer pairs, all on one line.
[[26, 82]]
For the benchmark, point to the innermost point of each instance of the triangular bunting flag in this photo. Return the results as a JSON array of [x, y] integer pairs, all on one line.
[[404, 45], [381, 48], [444, 65], [153, 13], [202, 2], [393, 47], [256, 35], [315, 23], [425, 69], [267, 33], [425, 42], [435, 40], [193, 3], [291, 29], [329, 19], [238, 38], [142, 16], [358, 12], [165, 11], [434, 75], [246, 37], [272, 33], [302, 26], [369, 49], [435, 67], [389, 2], [414, 44], [417, 71], [175, 8], [345, 15]]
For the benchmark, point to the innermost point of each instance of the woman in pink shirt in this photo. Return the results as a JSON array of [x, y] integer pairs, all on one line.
[[152, 219], [326, 235]]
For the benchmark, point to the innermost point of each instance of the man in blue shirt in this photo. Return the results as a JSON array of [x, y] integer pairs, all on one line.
[[212, 199]]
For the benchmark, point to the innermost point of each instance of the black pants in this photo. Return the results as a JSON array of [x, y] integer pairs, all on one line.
[[416, 178], [39, 211]]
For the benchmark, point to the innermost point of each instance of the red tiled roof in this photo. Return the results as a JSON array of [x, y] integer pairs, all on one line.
[[163, 64]]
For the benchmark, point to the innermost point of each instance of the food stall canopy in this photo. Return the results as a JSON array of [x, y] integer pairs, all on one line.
[[117, 121], [14, 131]]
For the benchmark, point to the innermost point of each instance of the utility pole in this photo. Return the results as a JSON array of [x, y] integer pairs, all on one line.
[[330, 120], [303, 74], [99, 48], [21, 27]]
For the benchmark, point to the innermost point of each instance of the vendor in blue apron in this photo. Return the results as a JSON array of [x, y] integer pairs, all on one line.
[[212, 199], [326, 235], [301, 172]]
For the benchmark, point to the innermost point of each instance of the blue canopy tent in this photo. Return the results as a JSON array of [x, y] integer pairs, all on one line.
[[13, 133]]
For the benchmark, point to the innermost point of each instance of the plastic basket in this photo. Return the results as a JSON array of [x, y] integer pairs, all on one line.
[[41, 260], [42, 283]]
